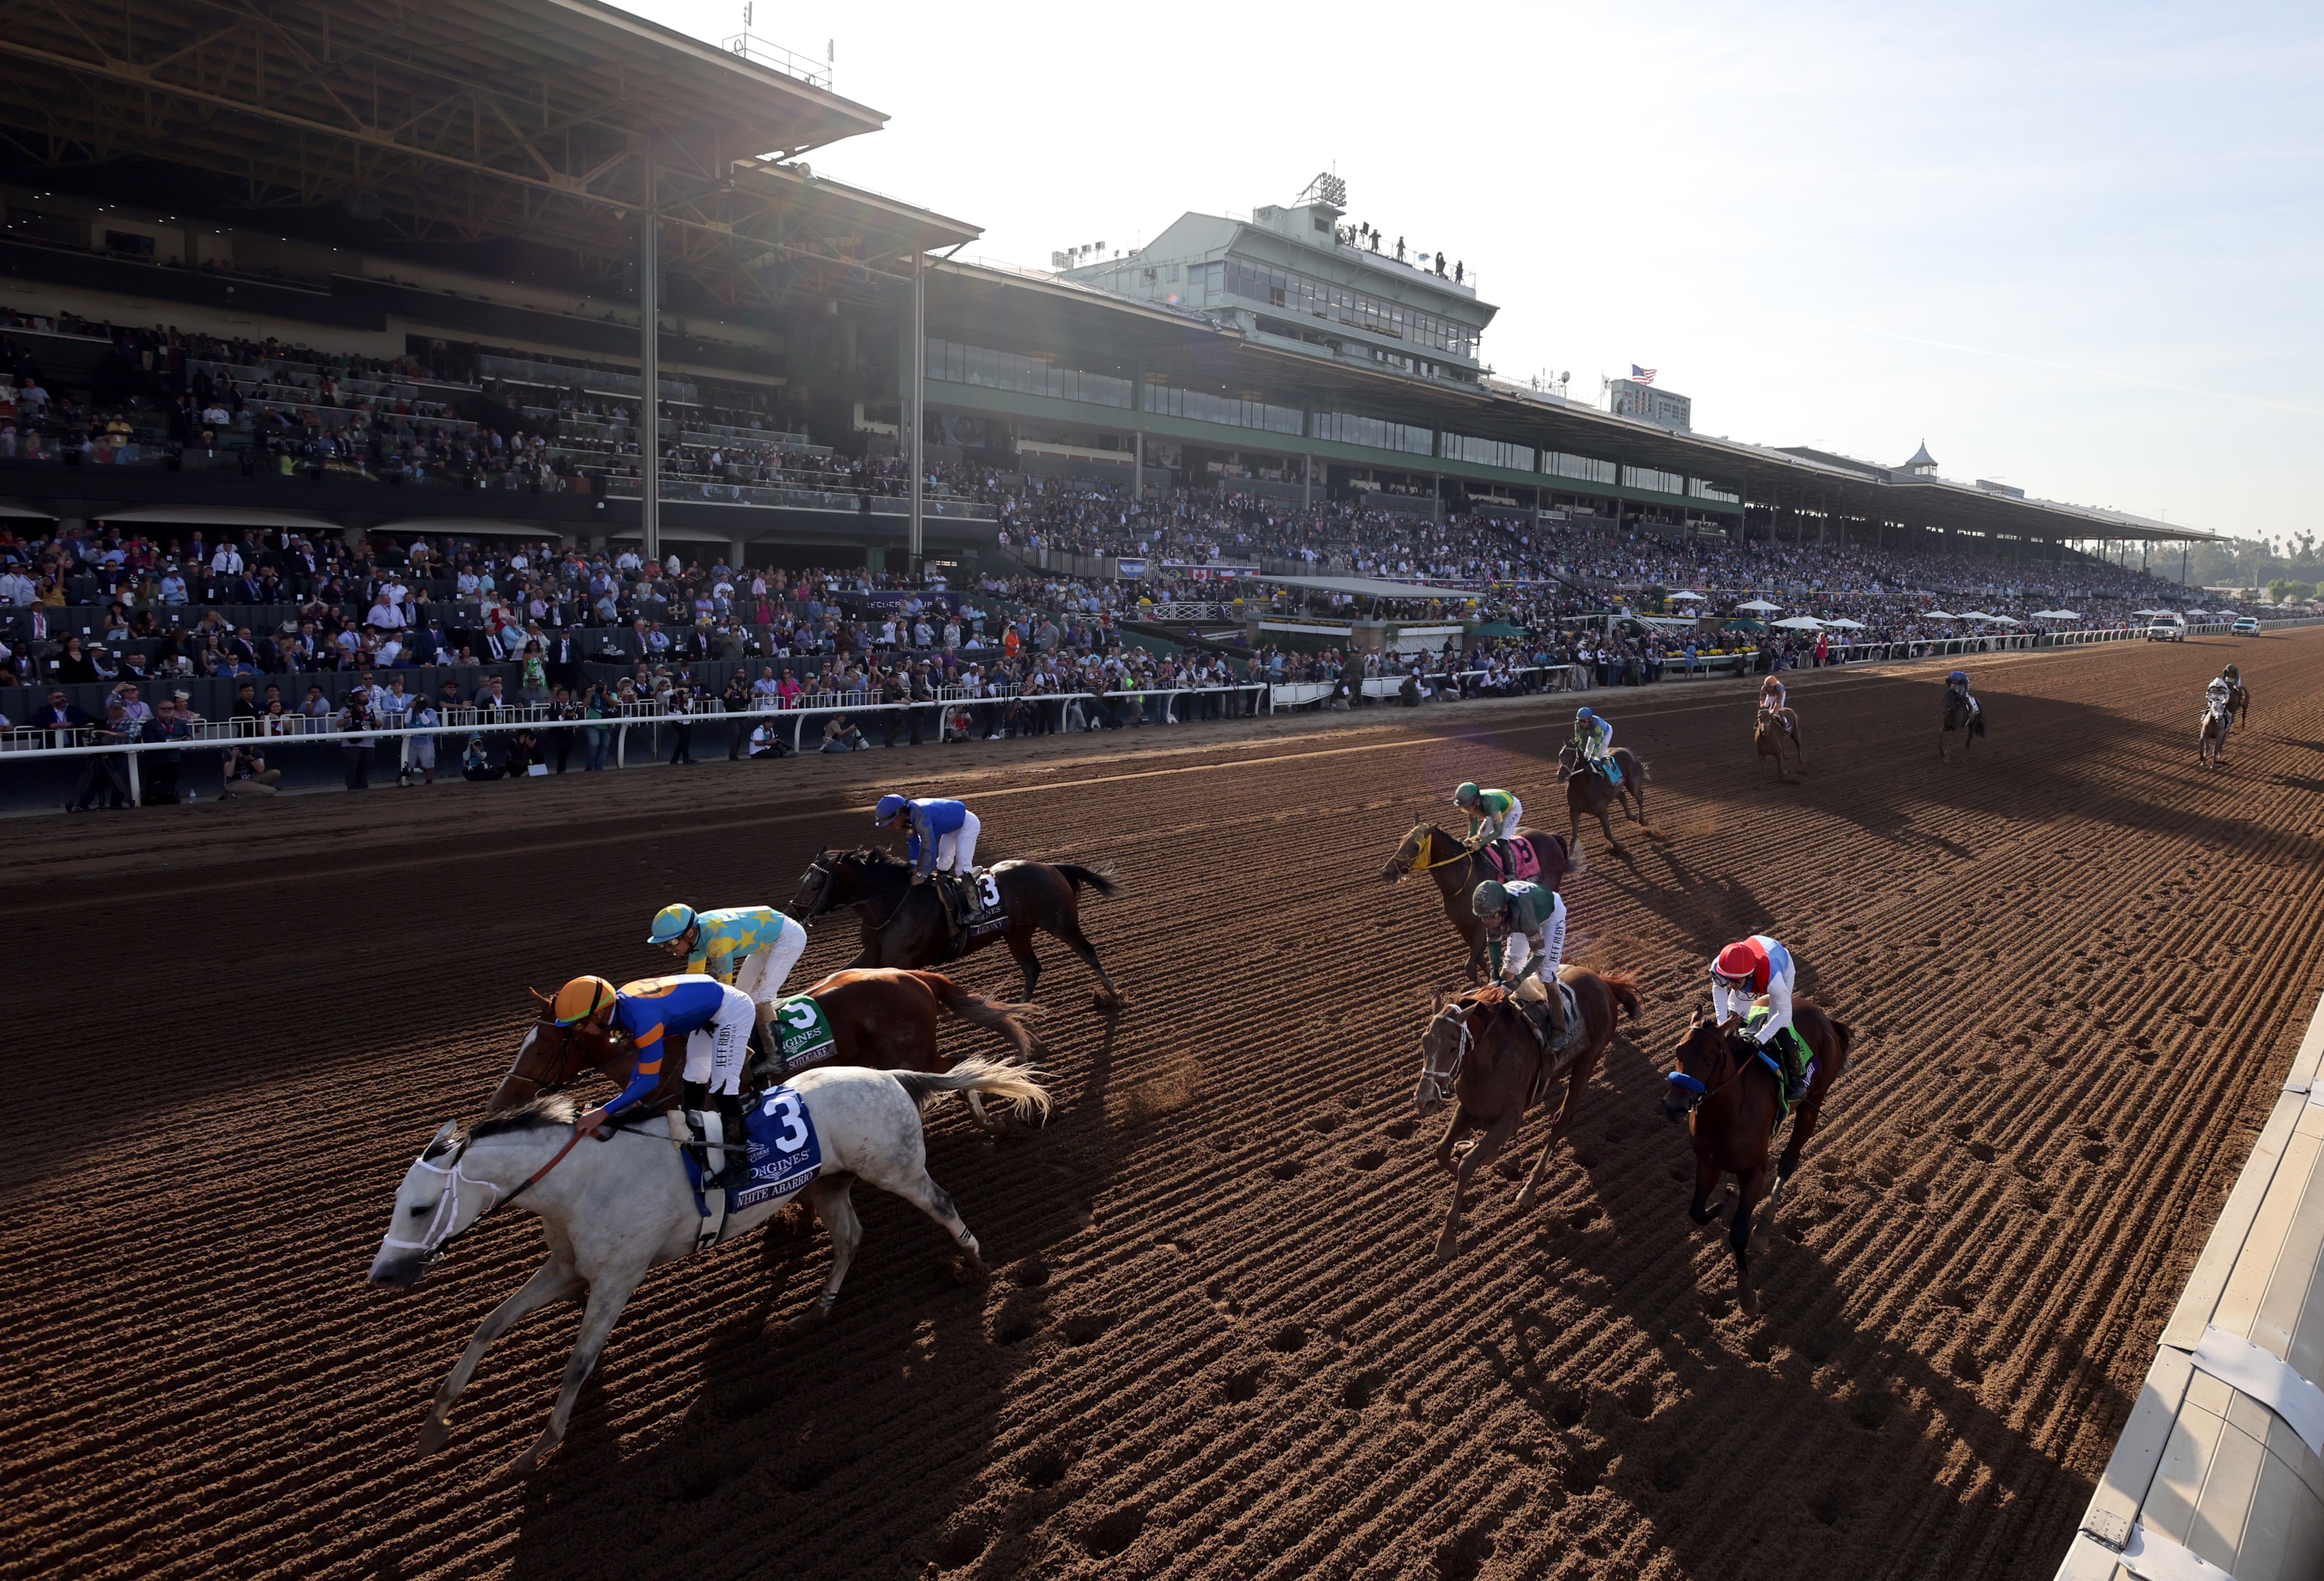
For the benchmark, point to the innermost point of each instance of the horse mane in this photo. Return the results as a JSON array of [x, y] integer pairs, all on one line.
[[548, 1109], [873, 856]]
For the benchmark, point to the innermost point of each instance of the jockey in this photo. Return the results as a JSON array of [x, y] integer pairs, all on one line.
[[1956, 683], [752, 947], [1492, 816], [1774, 697], [2218, 696], [1594, 737], [1759, 968], [653, 1012], [1526, 945], [942, 840]]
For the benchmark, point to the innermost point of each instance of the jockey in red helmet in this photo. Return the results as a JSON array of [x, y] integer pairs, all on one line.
[[1755, 972]]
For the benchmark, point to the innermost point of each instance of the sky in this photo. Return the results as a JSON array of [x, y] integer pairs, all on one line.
[[2074, 248]]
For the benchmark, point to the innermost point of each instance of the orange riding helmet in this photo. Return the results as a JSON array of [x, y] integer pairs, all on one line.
[[579, 1000]]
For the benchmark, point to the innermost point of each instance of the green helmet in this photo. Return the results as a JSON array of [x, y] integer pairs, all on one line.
[[670, 923], [1490, 899], [1466, 796]]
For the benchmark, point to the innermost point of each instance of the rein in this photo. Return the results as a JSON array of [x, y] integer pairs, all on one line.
[[1427, 843], [1448, 1078], [447, 1204]]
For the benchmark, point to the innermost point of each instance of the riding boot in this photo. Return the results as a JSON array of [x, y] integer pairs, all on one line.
[[737, 1172], [1558, 1032], [1795, 1068], [766, 1054]]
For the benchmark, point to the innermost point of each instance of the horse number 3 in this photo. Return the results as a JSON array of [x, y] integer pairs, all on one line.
[[988, 891], [785, 1106]]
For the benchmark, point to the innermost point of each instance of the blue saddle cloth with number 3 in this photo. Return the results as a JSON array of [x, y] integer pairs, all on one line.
[[781, 1146]]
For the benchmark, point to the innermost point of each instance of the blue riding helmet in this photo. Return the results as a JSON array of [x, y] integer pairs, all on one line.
[[889, 806], [670, 923], [1959, 675], [1580, 714]]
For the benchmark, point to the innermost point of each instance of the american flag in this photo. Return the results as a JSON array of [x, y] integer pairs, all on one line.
[[1643, 375]]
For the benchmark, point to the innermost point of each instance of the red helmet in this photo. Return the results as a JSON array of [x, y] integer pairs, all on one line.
[[1738, 960]]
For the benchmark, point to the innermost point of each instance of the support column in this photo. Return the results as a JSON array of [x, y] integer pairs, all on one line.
[[1307, 483], [915, 541], [1138, 477], [648, 423]]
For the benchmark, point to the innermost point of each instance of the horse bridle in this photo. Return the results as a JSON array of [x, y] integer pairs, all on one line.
[[1688, 1083], [1444, 1080], [448, 1201], [1417, 865], [823, 895], [541, 1089]]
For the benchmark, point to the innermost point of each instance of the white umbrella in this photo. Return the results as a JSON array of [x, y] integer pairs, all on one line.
[[1939, 614], [1846, 624], [1760, 606], [2055, 614], [2150, 612], [2005, 620], [1801, 622], [1692, 598]]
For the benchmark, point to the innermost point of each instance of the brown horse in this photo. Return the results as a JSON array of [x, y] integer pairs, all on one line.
[[1458, 870], [1589, 793], [1768, 734], [886, 1020], [906, 924], [1479, 1050], [1961, 716], [1728, 1097]]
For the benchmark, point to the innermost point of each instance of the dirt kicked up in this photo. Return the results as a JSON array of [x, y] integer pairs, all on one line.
[[1216, 1344]]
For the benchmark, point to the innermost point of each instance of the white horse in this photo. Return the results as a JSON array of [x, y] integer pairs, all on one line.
[[611, 1209]]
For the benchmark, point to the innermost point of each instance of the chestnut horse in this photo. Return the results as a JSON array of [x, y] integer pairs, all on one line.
[[1769, 732], [1479, 1050], [886, 1020], [1729, 1100], [1589, 792], [907, 925], [1458, 871]]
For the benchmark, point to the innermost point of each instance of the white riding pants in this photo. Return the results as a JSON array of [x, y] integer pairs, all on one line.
[[761, 975], [1507, 830], [957, 851], [1519, 949], [716, 1053]]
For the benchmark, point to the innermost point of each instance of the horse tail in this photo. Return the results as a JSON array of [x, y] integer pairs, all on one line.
[[1624, 990], [1639, 764], [1012, 1082], [993, 1014], [1100, 878]]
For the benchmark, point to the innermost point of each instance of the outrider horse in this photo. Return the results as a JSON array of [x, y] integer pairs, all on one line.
[[1481, 1052], [886, 1020], [1589, 793], [1458, 871], [1772, 728], [1958, 715], [909, 925], [1731, 1103]]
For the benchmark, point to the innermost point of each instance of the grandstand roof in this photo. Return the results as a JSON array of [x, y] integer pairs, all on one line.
[[459, 121], [1370, 587]]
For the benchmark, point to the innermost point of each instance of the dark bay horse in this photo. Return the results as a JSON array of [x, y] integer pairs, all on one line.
[[1458, 871], [1479, 1051], [1958, 717], [1770, 731], [886, 1020], [1729, 1099], [906, 924], [1589, 793]]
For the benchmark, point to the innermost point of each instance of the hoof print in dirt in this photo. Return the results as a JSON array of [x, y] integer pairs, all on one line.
[[1357, 1393], [1045, 1468], [1288, 1338], [1084, 1328], [960, 1543], [1112, 1534], [1239, 1388], [1459, 1558]]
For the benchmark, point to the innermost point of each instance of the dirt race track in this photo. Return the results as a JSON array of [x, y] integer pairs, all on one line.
[[1216, 1345]]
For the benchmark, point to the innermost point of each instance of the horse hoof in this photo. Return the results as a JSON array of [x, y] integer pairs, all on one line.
[[433, 1436], [812, 1317], [967, 1269], [1525, 1198], [1749, 1301]]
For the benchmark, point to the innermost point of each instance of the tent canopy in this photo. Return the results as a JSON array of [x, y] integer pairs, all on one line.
[[2055, 614], [1846, 624], [1689, 597], [1799, 622], [1760, 606]]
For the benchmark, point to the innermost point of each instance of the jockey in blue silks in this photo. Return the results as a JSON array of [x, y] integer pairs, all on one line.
[[655, 1012], [942, 840], [1594, 737]]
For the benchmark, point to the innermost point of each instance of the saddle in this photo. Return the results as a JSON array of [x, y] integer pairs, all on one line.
[[1535, 1013], [1515, 857]]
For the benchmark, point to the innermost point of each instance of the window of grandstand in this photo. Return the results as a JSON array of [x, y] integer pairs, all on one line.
[[1647, 477], [1243, 411], [1489, 452], [1031, 375], [130, 245], [1586, 467], [1354, 309], [1376, 432], [1703, 489]]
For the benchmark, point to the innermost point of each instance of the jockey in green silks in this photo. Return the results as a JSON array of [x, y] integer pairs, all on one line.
[[1526, 945], [1492, 816]]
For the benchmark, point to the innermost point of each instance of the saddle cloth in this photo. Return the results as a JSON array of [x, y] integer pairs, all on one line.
[[802, 1032], [1550, 1043], [780, 1147], [986, 913], [1522, 862]]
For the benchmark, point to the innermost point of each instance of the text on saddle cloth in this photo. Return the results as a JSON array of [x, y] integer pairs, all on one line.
[[802, 1032], [783, 1153], [985, 910]]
